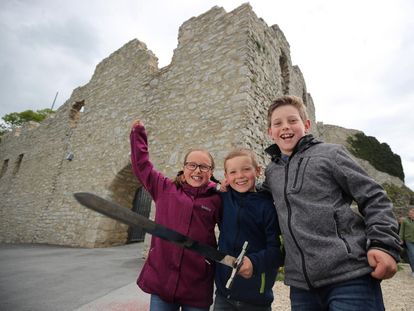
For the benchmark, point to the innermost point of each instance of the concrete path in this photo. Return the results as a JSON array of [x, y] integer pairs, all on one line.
[[53, 278]]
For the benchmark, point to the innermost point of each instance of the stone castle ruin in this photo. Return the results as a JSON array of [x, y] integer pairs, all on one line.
[[224, 73]]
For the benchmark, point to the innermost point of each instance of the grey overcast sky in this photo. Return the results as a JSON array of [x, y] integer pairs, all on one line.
[[356, 56]]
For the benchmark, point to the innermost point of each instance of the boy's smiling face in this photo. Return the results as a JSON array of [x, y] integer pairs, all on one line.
[[241, 173], [287, 128]]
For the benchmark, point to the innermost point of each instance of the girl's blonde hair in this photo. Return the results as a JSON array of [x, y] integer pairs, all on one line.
[[179, 179], [238, 152]]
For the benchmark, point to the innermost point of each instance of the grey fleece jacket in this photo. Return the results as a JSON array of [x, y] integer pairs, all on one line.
[[325, 240]]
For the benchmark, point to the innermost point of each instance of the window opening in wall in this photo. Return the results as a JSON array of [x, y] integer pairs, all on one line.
[[74, 116], [75, 112], [4, 167], [18, 163], [284, 67], [304, 98]]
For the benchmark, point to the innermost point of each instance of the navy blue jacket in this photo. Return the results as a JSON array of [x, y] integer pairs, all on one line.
[[251, 217]]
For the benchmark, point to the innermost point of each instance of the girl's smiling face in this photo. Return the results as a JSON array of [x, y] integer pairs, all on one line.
[[197, 177]]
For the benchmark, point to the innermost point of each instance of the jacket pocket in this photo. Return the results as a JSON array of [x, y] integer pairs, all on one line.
[[348, 248], [298, 170]]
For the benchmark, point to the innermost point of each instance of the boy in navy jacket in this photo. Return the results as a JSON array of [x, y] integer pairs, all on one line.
[[247, 216]]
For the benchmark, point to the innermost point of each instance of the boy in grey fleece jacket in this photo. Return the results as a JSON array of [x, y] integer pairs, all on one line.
[[335, 257]]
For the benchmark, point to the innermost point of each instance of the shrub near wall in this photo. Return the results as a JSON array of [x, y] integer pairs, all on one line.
[[378, 154]]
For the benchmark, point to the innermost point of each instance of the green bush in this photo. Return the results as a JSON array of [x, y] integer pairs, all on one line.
[[18, 118], [378, 154], [281, 274]]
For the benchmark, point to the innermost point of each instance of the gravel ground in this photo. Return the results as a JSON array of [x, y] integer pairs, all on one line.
[[398, 292]]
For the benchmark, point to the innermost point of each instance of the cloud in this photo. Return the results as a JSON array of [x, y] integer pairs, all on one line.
[[42, 54], [398, 77], [73, 37]]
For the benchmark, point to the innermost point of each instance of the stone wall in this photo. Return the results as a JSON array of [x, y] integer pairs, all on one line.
[[224, 73], [37, 204]]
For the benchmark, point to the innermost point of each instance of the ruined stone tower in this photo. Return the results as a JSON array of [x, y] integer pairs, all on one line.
[[225, 71]]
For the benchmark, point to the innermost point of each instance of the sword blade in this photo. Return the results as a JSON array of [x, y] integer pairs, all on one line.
[[128, 217]]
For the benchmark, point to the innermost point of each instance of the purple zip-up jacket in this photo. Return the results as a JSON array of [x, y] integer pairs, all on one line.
[[173, 273]]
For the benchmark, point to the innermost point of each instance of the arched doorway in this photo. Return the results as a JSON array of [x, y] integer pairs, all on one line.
[[142, 206], [127, 191]]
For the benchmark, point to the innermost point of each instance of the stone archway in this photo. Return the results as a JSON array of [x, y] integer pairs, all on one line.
[[123, 186], [122, 190]]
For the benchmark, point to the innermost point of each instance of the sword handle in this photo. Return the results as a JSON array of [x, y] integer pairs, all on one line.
[[237, 264]]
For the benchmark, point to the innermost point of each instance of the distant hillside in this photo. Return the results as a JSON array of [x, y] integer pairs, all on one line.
[[376, 158], [378, 154]]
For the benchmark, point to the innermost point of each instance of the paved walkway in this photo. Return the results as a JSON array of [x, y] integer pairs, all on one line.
[[53, 278]]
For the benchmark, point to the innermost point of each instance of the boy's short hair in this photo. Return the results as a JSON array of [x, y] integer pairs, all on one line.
[[292, 100], [239, 152]]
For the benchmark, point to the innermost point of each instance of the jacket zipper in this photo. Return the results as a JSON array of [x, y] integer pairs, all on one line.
[[238, 225], [348, 248], [305, 273], [229, 296]]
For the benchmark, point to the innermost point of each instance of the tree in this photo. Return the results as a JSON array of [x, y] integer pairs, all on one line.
[[16, 119]]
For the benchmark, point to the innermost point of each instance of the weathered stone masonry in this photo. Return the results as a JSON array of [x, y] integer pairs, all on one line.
[[226, 69]]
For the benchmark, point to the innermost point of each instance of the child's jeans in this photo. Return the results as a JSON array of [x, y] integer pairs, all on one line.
[[157, 304], [223, 304], [360, 294]]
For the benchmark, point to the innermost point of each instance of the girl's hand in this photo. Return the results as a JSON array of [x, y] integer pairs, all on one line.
[[223, 185], [137, 123]]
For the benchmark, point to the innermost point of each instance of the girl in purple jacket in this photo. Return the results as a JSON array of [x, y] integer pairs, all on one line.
[[176, 277]]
